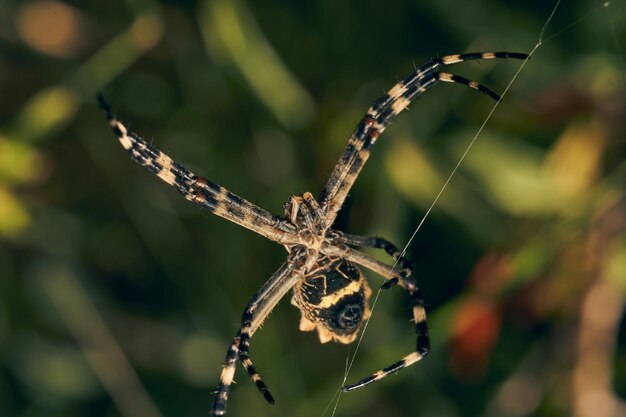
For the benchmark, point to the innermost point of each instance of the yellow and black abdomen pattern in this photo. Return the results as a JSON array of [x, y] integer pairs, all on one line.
[[333, 300]]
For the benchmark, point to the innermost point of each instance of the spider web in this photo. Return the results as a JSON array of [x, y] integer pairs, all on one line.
[[351, 357]]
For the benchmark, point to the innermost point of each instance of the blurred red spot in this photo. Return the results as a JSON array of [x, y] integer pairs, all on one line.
[[476, 327]]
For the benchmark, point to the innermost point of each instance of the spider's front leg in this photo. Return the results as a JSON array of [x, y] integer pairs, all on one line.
[[406, 280], [217, 199]]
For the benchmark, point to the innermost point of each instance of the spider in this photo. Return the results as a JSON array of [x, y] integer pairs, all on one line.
[[321, 266]]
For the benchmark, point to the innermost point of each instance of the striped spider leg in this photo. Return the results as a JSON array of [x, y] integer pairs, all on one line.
[[403, 277], [383, 112], [257, 310], [215, 198]]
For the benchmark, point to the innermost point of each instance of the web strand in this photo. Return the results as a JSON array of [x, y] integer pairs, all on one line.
[[540, 40]]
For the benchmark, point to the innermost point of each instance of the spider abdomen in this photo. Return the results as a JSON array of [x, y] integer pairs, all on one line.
[[333, 300]]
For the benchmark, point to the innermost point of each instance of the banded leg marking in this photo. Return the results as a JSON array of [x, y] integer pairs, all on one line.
[[244, 356], [226, 379], [403, 363], [240, 349], [406, 281], [422, 344], [382, 113], [258, 308], [215, 198]]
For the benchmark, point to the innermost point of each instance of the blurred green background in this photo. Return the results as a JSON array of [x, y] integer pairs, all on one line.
[[119, 298]]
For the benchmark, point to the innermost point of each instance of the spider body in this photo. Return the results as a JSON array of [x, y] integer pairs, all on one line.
[[321, 267], [332, 294]]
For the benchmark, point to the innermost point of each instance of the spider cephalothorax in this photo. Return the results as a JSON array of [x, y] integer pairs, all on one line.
[[329, 289]]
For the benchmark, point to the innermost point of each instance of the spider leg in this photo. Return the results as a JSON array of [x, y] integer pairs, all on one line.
[[215, 198], [257, 310], [346, 252], [239, 349], [392, 250], [382, 113], [419, 317], [244, 355]]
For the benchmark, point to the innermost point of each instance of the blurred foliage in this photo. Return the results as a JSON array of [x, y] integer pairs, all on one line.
[[118, 298]]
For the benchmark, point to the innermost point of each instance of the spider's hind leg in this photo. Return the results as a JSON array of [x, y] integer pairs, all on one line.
[[422, 343], [408, 282], [240, 348], [257, 310], [244, 355]]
